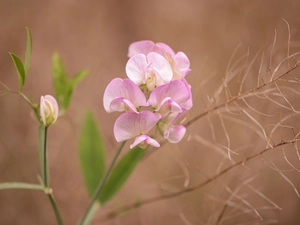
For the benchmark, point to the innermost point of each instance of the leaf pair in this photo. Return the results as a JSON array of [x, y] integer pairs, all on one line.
[[21, 68], [63, 85], [92, 159]]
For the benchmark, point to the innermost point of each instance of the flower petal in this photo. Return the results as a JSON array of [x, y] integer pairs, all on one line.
[[161, 65], [135, 68], [175, 90], [140, 47], [146, 139], [130, 124], [182, 61], [175, 133], [119, 92], [166, 48]]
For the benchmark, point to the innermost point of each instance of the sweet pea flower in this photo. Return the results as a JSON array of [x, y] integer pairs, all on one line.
[[48, 110], [151, 70], [173, 133], [123, 95], [179, 62], [131, 125], [172, 97]]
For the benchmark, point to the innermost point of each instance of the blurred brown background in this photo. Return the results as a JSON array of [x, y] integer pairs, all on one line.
[[95, 35]]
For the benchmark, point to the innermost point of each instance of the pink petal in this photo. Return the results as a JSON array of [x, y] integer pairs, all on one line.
[[140, 47], [130, 124], [166, 47], [182, 61], [175, 90], [120, 93], [135, 68], [161, 65], [146, 139], [117, 105], [175, 133], [189, 103]]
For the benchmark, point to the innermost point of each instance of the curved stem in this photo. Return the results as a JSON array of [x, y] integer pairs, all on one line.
[[100, 185]]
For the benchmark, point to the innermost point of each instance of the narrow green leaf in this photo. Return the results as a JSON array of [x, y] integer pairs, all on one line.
[[20, 69], [91, 153], [121, 173], [79, 76], [20, 185], [28, 52]]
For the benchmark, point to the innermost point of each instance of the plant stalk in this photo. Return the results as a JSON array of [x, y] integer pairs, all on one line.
[[100, 186], [48, 190]]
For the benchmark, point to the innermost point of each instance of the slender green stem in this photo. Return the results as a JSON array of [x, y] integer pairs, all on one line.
[[48, 190], [45, 161], [34, 106], [31, 104], [55, 208], [100, 185]]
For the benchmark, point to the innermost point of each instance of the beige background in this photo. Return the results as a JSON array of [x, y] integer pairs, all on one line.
[[95, 35]]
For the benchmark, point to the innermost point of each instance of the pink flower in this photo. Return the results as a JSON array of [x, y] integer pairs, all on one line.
[[131, 125], [171, 97], [123, 95], [179, 62], [151, 70], [173, 133]]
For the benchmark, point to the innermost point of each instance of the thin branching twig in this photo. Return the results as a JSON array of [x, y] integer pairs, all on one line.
[[148, 201]]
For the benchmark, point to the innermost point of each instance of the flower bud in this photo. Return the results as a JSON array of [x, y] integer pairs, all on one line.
[[48, 110]]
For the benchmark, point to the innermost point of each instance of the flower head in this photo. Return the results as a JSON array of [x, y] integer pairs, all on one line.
[[156, 80], [48, 110]]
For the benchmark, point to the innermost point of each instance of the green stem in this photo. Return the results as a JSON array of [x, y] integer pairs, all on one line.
[[100, 185], [55, 208], [48, 190], [31, 104], [45, 161]]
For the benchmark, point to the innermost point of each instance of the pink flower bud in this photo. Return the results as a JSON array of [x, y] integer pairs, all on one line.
[[48, 110]]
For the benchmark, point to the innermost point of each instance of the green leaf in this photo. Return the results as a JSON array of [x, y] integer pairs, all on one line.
[[60, 81], [91, 153], [121, 173], [78, 77], [63, 85], [20, 185], [28, 52], [20, 69]]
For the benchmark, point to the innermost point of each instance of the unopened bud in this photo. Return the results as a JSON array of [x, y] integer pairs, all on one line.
[[48, 110]]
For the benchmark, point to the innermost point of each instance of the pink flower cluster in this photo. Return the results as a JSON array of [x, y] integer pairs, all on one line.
[[156, 82]]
